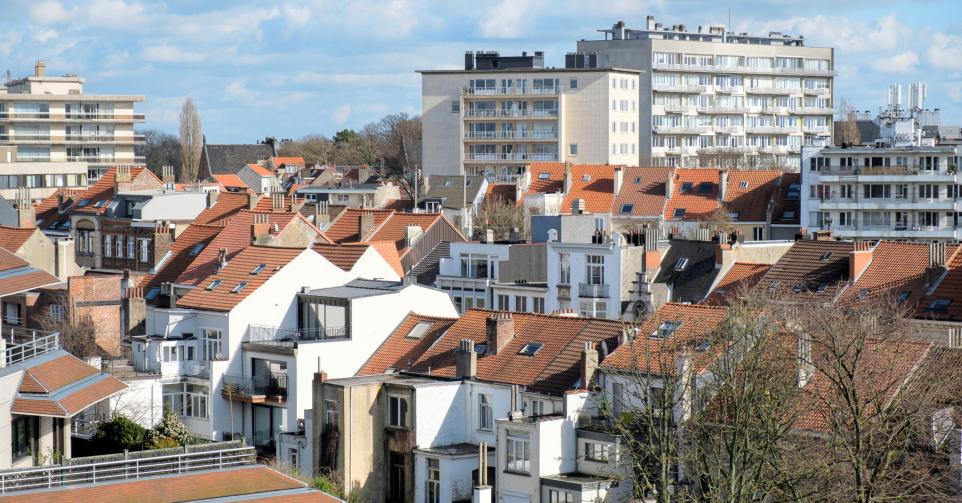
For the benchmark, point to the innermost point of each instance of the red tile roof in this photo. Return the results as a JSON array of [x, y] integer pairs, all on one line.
[[105, 189], [749, 192], [594, 183], [345, 227], [343, 255], [644, 190], [12, 238], [259, 482], [785, 206], [739, 277], [238, 270], [399, 349], [231, 180], [390, 253], [280, 161], [188, 246], [506, 192], [813, 269], [62, 386], [227, 204], [20, 276], [46, 209], [646, 353], [950, 289], [260, 170], [394, 229], [895, 268], [687, 194], [55, 374]]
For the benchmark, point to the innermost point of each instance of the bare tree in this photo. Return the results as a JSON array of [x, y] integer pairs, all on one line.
[[313, 148], [78, 336], [846, 125], [159, 149], [503, 218], [191, 141]]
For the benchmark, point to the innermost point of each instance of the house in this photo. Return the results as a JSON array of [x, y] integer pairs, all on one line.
[[566, 188], [452, 194], [53, 256], [786, 214], [486, 274], [231, 182], [640, 198], [17, 279], [229, 159], [259, 178], [810, 271]]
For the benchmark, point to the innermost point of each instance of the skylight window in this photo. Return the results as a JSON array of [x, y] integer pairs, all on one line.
[[686, 187], [481, 348], [637, 179], [418, 331], [258, 269], [940, 305], [627, 208], [467, 182], [666, 329], [83, 202], [544, 176], [704, 187], [152, 294], [743, 185], [825, 256], [530, 348], [733, 215], [788, 215], [196, 249], [903, 296], [775, 284], [240, 286], [799, 288], [449, 183], [100, 204], [679, 212], [702, 346], [681, 264], [585, 178], [821, 288], [213, 284]]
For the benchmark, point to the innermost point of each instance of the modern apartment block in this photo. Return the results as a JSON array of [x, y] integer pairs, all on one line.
[[501, 113], [717, 98], [53, 135]]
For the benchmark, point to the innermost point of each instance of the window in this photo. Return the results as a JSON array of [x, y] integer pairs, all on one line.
[[544, 176], [686, 187], [330, 412], [130, 248], [521, 303], [679, 213], [955, 337], [55, 312], [213, 348], [595, 451], [455, 106], [108, 246], [564, 262], [666, 329], [213, 284], [530, 349], [145, 250], [503, 303], [537, 305], [595, 269], [196, 249], [292, 456], [24, 436], [195, 401], [573, 84], [418, 331], [681, 264], [556, 496], [120, 247], [258, 269], [939, 305], [627, 208], [573, 149], [240, 286], [397, 412], [485, 413], [434, 481], [517, 452]]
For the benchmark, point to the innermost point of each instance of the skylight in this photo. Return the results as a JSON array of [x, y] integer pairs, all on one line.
[[637, 179], [686, 187], [940, 305], [83, 202], [627, 208], [258, 269], [480, 348], [704, 187], [702, 346], [825, 256], [743, 185], [196, 249], [419, 330], [240, 286], [152, 294], [544, 176], [679, 212], [100, 204], [530, 348], [213, 284], [666, 329], [585, 178], [903, 296], [681, 264], [449, 183], [733, 215]]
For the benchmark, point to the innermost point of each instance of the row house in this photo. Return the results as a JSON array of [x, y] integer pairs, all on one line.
[[360, 187], [496, 275]]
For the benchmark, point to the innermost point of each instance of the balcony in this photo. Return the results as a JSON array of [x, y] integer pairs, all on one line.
[[729, 89], [70, 117], [517, 157], [772, 129], [291, 337], [258, 389], [815, 110], [816, 91], [510, 135], [716, 109], [681, 129], [511, 114], [24, 344], [680, 88], [24, 138], [946, 174], [774, 90], [815, 129], [590, 291], [106, 116], [511, 91]]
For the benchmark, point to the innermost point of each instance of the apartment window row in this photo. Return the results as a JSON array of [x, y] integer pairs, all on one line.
[[623, 127], [735, 103], [624, 105], [118, 246], [732, 61], [521, 303], [623, 149], [884, 191], [622, 83], [922, 163], [893, 220]]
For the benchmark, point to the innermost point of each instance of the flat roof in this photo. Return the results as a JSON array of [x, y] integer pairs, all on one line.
[[359, 288]]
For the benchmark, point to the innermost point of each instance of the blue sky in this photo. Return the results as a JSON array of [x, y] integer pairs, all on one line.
[[315, 66]]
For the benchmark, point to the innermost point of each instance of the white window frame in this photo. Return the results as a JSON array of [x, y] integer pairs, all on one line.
[[485, 412], [213, 347], [517, 451]]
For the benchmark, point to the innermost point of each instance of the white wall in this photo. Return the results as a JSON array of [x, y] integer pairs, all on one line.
[[142, 401], [372, 265], [440, 414]]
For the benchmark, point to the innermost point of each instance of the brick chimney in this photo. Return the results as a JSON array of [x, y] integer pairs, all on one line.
[[365, 224], [466, 360], [936, 269], [26, 214], [160, 241], [722, 184], [260, 227], [167, 174], [500, 331], [252, 200], [277, 201], [39, 68], [589, 364], [363, 173], [859, 259]]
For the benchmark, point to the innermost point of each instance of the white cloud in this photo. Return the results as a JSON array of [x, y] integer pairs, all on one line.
[[238, 90], [297, 16], [955, 92], [903, 62], [509, 18], [45, 35], [50, 12], [885, 33], [946, 51], [116, 14], [341, 114], [170, 54], [8, 42]]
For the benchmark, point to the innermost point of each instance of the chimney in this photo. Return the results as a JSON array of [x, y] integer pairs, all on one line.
[[411, 234], [363, 173], [859, 259], [260, 227], [39, 68], [161, 241], [321, 217], [365, 224], [566, 185], [720, 252], [619, 179], [488, 236], [277, 201], [936, 268], [26, 214], [167, 174], [466, 360], [212, 197], [722, 184], [670, 185], [252, 200], [806, 367], [500, 331], [221, 259], [589, 364], [122, 178]]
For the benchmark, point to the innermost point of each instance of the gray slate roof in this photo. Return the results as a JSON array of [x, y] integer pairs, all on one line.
[[229, 159], [691, 284], [359, 288], [449, 190]]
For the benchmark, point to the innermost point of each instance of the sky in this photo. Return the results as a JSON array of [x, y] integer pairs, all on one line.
[[288, 69]]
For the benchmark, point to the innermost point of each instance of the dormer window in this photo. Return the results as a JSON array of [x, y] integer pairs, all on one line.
[[825, 256], [258, 269], [627, 208], [196, 249], [240, 286], [743, 185], [686, 187], [704, 187], [213, 284], [788, 215], [679, 213], [530, 349], [665, 330]]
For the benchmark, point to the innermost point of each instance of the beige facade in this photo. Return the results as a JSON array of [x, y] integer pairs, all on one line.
[[716, 98], [495, 122], [51, 130]]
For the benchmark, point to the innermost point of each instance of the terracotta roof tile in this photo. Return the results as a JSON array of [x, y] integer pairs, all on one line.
[[343, 255], [55, 374], [739, 277], [189, 244], [88, 395], [228, 203], [260, 170], [506, 192], [896, 268], [278, 161], [20, 276], [695, 191], [950, 289], [230, 180], [646, 353], [394, 229], [237, 271], [12, 238], [399, 351], [105, 189], [644, 190], [345, 227], [594, 183], [749, 192], [390, 253]]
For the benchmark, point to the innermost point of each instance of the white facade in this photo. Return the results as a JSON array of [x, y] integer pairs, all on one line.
[[591, 278], [49, 121], [712, 93], [495, 122]]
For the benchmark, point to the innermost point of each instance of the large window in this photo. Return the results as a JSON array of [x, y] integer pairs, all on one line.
[[593, 309], [186, 400], [518, 452], [485, 412], [595, 273], [397, 411], [564, 259], [213, 345], [330, 412], [595, 451], [558, 496], [144, 250], [24, 436], [434, 481], [477, 266]]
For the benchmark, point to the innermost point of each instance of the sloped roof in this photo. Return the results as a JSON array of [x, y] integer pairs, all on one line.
[[260, 170], [227, 204], [12, 238], [240, 269], [183, 252], [506, 192], [896, 268], [345, 227], [230, 180], [748, 193], [688, 193], [61, 385], [813, 269], [691, 282], [394, 229], [343, 255], [449, 189], [646, 353], [594, 183], [46, 209], [223, 159], [740, 276], [105, 190], [17, 275], [278, 161], [643, 189], [950, 288], [401, 349], [786, 210]]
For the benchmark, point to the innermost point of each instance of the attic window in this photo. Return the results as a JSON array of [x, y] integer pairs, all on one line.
[[940, 305], [240, 286], [681, 264], [83, 202], [637, 179], [585, 178], [258, 269], [480, 348], [666, 329], [799, 288], [788, 215], [196, 249], [903, 296], [686, 187], [704, 187], [530, 349], [418, 331], [100, 204], [775, 284], [213, 284], [679, 213], [544, 176], [152, 294], [449, 183], [821, 288], [733, 215], [825, 256], [702, 346], [627, 208], [743, 185]]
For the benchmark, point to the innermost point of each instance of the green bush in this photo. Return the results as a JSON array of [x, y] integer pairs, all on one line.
[[172, 427], [120, 433], [161, 442]]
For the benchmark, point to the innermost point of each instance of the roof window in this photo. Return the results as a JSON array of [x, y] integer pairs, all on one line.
[[530, 349], [627, 208], [152, 294], [702, 346], [825, 256], [544, 176], [940, 305], [240, 286], [213, 284], [196, 249], [585, 178], [637, 179], [681, 264], [679, 212], [418, 330], [258, 269], [665, 330], [903, 296], [704, 187], [743, 185], [788, 215], [686, 187]]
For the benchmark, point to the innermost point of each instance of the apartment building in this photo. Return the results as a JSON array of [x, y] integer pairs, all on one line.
[[53, 135], [500, 113], [711, 97]]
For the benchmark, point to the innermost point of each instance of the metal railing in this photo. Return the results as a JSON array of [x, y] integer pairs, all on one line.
[[289, 337], [274, 384], [493, 91], [510, 135], [32, 348], [510, 113], [948, 170], [47, 477], [587, 290], [510, 157]]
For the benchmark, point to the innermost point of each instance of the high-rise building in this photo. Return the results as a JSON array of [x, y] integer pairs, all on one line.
[[501, 113], [52, 135], [711, 97]]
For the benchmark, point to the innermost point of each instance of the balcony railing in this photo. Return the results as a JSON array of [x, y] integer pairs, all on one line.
[[25, 349], [290, 337], [510, 113], [681, 129], [268, 386], [510, 135], [587, 290], [24, 137], [949, 170], [510, 157], [493, 91]]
